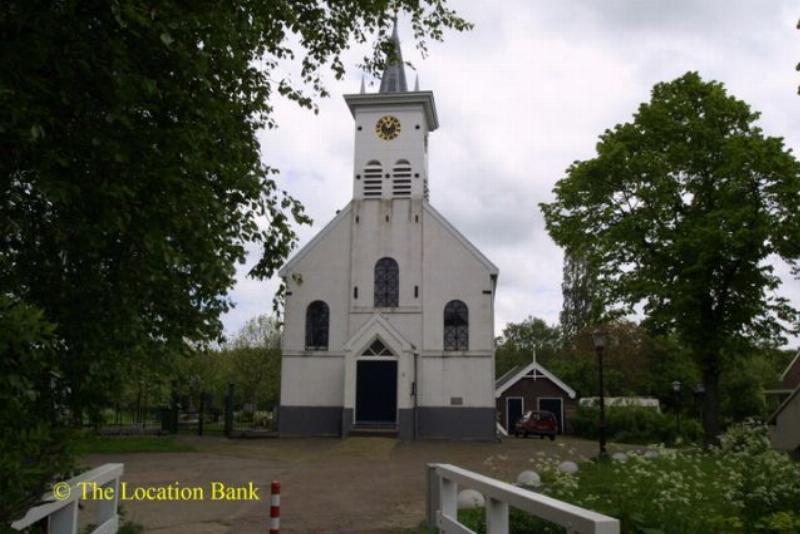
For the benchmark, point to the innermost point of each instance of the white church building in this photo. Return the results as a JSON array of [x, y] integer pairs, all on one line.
[[389, 310]]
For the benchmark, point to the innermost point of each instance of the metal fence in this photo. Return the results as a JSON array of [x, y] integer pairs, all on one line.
[[220, 413], [223, 413]]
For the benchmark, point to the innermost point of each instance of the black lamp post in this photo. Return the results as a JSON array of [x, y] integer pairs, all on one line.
[[699, 397], [599, 342], [676, 387]]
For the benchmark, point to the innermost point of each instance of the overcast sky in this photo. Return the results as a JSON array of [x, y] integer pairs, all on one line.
[[519, 98]]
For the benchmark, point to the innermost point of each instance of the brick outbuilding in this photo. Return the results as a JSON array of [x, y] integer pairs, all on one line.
[[532, 387]]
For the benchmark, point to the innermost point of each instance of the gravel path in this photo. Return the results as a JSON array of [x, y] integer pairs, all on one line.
[[360, 484]]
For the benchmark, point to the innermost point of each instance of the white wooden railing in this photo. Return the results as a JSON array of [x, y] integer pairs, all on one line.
[[61, 510], [445, 480]]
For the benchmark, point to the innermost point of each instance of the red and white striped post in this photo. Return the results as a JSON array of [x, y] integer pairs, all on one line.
[[275, 508]]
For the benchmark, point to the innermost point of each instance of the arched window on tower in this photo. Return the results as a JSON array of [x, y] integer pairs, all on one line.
[[373, 179], [317, 319], [387, 283], [401, 178], [456, 326]]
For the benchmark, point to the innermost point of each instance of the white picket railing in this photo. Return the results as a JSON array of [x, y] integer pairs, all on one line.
[[445, 480], [62, 515]]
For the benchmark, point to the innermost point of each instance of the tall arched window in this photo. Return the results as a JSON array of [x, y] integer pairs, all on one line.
[[456, 326], [317, 318], [387, 283]]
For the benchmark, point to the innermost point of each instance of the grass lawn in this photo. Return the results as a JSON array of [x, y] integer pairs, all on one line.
[[88, 444]]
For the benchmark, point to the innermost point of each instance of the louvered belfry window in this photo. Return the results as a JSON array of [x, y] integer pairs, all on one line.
[[387, 283], [373, 179], [456, 326], [401, 179], [317, 319]]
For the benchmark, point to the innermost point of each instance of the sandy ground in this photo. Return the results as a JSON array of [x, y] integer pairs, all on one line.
[[360, 484]]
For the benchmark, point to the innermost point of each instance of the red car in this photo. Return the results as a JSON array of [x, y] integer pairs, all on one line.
[[537, 423]]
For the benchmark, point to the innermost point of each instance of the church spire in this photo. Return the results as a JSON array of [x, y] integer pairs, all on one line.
[[394, 75]]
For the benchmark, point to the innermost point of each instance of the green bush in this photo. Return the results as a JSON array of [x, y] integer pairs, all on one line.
[[741, 487], [635, 425]]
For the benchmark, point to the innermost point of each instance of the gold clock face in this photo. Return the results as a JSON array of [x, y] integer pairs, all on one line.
[[387, 127]]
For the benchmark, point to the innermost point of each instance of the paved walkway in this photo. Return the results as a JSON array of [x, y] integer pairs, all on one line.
[[361, 484]]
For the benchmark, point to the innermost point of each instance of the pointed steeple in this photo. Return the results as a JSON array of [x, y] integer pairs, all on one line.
[[416, 83], [363, 87], [394, 76]]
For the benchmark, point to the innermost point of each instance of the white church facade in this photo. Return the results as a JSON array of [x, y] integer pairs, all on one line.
[[389, 310]]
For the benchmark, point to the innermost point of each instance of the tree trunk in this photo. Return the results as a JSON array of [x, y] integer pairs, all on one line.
[[711, 405]]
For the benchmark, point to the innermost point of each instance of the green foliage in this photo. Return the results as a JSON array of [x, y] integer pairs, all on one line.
[[738, 491], [636, 425], [132, 184], [33, 441], [251, 361], [581, 309], [638, 363], [742, 383], [679, 212], [520, 340]]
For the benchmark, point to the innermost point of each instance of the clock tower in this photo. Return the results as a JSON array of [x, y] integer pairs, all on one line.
[[389, 311], [391, 136]]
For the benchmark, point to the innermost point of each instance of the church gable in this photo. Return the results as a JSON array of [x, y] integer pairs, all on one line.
[[324, 235], [378, 328], [459, 239]]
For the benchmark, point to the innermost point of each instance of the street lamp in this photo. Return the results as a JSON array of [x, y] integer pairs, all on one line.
[[699, 398], [599, 341], [676, 387]]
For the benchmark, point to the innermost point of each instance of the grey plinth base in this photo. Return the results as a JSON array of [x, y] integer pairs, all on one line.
[[457, 423], [310, 421]]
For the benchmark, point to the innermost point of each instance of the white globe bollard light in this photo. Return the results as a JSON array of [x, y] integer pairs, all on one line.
[[470, 498], [568, 467], [619, 457], [529, 479]]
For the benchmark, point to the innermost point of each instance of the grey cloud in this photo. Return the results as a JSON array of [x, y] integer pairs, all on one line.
[[520, 98]]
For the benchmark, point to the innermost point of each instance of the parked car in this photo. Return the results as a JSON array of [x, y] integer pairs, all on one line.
[[537, 423]]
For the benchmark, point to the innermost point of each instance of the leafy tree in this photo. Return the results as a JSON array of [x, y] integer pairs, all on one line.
[[254, 358], [680, 211], [33, 445], [519, 341], [262, 331], [635, 363], [131, 180], [580, 309]]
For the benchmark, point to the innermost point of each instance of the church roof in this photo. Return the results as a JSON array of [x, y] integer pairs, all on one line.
[[517, 373], [459, 237], [327, 229], [491, 267], [394, 75]]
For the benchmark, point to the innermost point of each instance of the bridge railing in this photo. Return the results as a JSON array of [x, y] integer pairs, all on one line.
[[61, 510], [445, 480]]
